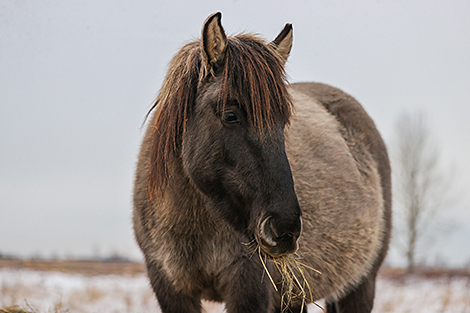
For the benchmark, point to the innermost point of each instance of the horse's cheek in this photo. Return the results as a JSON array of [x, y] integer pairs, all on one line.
[[200, 173]]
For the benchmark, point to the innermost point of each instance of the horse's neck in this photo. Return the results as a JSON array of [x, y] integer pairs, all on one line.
[[185, 208]]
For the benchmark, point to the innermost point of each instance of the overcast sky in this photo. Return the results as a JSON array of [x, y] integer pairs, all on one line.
[[77, 78]]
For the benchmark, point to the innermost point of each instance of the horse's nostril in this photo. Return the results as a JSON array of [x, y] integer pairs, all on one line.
[[273, 244], [285, 228], [274, 237], [273, 230], [286, 237], [268, 233]]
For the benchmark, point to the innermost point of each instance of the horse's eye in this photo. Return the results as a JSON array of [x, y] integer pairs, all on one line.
[[230, 117]]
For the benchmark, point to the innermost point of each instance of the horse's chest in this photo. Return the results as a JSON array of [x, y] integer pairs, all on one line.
[[195, 267], [185, 273]]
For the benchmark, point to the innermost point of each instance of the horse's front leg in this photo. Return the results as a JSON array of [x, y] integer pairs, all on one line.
[[170, 300], [359, 300], [247, 287]]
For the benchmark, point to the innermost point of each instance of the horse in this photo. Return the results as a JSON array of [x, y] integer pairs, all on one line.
[[239, 170]]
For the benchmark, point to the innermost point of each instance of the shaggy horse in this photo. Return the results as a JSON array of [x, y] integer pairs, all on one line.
[[232, 181]]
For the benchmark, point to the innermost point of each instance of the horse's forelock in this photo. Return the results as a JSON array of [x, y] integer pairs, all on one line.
[[251, 71], [254, 73]]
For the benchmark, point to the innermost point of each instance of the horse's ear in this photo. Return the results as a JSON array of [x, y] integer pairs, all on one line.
[[214, 41], [283, 42]]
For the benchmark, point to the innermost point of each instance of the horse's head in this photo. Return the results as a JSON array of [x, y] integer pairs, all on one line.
[[232, 148]]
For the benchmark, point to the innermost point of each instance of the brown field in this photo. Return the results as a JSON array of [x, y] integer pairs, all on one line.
[[424, 272], [86, 267], [123, 267]]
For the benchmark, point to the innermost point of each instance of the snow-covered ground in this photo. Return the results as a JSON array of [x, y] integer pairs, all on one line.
[[423, 295], [58, 292]]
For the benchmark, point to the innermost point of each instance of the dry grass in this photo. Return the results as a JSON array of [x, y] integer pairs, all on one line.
[[13, 309], [424, 272], [18, 309], [294, 283], [88, 295], [88, 267], [16, 291]]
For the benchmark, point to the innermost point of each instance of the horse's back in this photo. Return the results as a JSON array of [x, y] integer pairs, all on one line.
[[342, 179], [354, 118]]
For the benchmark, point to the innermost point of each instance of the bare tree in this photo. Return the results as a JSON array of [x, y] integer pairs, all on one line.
[[422, 188]]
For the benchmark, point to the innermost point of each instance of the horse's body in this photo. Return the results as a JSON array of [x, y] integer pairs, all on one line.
[[218, 191]]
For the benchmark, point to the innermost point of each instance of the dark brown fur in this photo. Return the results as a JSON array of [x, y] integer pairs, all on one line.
[[205, 189]]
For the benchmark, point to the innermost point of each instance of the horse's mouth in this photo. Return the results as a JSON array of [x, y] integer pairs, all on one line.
[[282, 248]]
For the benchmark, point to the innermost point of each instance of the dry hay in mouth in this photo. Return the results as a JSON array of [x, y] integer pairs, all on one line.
[[294, 284]]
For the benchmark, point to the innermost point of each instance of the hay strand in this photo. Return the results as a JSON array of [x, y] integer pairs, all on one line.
[[266, 269], [293, 285]]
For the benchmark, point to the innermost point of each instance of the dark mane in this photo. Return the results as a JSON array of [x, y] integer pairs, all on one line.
[[251, 71]]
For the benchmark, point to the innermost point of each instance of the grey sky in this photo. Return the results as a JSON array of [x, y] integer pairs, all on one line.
[[77, 78]]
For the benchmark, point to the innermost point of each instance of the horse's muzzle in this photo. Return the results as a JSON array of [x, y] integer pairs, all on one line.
[[278, 241]]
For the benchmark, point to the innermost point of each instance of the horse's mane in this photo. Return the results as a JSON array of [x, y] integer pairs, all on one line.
[[252, 71]]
